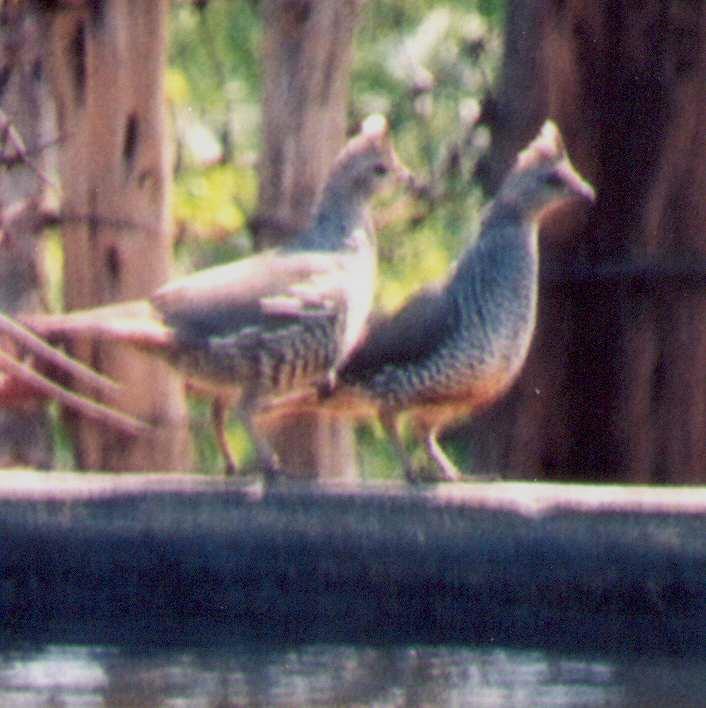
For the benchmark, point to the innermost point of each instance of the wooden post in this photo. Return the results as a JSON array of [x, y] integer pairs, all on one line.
[[615, 385], [108, 62], [307, 56]]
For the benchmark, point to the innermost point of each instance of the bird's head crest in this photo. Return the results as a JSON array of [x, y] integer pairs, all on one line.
[[548, 146], [374, 133], [367, 159], [375, 125], [543, 175]]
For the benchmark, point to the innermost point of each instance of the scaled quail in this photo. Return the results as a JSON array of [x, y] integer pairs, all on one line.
[[266, 325], [456, 347]]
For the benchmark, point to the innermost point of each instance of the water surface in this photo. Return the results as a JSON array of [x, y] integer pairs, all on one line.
[[343, 675]]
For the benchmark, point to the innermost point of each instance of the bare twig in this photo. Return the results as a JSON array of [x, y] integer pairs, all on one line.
[[91, 409], [11, 161], [10, 135], [61, 361]]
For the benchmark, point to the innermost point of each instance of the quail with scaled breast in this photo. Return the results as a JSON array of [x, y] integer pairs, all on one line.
[[456, 347], [271, 323]]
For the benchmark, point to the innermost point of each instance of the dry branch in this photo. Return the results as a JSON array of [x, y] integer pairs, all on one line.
[[33, 380]]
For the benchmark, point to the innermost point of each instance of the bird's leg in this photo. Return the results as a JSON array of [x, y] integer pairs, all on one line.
[[325, 388], [447, 471], [389, 423], [219, 415], [267, 458]]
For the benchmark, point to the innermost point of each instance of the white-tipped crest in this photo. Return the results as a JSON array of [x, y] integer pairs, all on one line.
[[374, 125], [365, 163], [547, 146]]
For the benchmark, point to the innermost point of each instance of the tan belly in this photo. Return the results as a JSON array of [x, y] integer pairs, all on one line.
[[442, 408]]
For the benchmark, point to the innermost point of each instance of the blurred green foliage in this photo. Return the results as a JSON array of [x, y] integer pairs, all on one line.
[[214, 201], [426, 64]]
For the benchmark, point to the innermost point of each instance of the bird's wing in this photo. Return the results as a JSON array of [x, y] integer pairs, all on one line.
[[406, 336], [267, 288]]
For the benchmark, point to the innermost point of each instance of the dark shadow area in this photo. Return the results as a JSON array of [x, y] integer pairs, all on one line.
[[373, 566]]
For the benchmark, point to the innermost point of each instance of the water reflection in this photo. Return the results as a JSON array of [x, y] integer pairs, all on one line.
[[390, 676]]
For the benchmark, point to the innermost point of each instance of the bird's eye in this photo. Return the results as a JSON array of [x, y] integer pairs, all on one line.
[[380, 169], [554, 180]]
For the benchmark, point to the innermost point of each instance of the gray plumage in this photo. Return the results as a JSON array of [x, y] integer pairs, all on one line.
[[454, 348], [282, 319]]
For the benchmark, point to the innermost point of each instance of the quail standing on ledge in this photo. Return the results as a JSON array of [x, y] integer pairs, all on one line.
[[455, 348], [271, 323]]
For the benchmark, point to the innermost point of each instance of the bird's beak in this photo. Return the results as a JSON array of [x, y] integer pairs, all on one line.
[[588, 191], [577, 184], [405, 176]]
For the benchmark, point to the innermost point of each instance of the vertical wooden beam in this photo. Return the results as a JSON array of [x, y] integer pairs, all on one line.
[[108, 63], [615, 386], [307, 56]]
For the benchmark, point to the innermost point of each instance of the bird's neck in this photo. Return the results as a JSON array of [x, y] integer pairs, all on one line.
[[498, 274], [337, 222], [509, 225], [505, 210]]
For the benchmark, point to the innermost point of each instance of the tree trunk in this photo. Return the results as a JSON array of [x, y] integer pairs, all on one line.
[[307, 57], [108, 63], [25, 437], [615, 386]]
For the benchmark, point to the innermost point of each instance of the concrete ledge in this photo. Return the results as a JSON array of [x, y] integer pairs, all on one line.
[[185, 559]]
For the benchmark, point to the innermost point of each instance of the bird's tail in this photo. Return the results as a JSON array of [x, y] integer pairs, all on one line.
[[130, 323]]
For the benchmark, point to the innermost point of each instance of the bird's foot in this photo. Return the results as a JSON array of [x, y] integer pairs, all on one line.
[[230, 469], [412, 475], [325, 388], [272, 470], [456, 475], [448, 473], [488, 477], [430, 475]]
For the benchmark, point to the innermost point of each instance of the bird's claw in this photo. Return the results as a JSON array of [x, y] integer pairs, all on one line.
[[230, 470], [432, 475], [272, 470]]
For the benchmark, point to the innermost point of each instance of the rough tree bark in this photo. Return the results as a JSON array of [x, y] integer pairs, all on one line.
[[25, 437], [307, 57], [615, 385], [107, 71]]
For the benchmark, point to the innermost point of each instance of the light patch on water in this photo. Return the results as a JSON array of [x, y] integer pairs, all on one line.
[[342, 675], [49, 675]]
